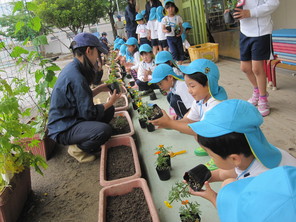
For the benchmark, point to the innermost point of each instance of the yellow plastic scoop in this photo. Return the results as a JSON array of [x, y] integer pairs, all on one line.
[[172, 154]]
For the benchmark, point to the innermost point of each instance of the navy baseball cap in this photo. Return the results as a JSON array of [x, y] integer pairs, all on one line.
[[87, 39]]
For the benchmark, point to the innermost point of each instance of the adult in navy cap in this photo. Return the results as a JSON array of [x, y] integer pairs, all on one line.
[[130, 15], [74, 120]]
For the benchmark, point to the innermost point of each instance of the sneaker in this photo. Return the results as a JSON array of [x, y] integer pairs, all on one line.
[[255, 97], [211, 165], [200, 152], [80, 155], [146, 92], [263, 106]]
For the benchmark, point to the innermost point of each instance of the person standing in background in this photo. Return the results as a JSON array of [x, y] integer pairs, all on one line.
[[256, 46], [130, 16], [150, 4], [119, 26]]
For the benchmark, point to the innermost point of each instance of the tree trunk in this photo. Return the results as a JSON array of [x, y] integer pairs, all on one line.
[[112, 24]]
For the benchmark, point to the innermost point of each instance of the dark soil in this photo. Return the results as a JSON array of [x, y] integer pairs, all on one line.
[[120, 162], [120, 125], [131, 207], [120, 102]]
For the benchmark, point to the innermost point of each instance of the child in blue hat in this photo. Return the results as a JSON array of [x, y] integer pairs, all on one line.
[[268, 197], [145, 70], [172, 27], [152, 29], [231, 135], [132, 56], [167, 80], [165, 57], [162, 41], [201, 77], [142, 30], [186, 29]]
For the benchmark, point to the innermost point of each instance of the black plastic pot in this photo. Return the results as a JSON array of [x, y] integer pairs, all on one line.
[[143, 123], [131, 83], [150, 127], [157, 113], [169, 28], [196, 218], [129, 76], [228, 17], [114, 86], [197, 176], [153, 96], [135, 107], [163, 174]]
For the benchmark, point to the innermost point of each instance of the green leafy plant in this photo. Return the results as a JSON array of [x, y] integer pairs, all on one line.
[[162, 153], [13, 157], [119, 122], [188, 210], [231, 4]]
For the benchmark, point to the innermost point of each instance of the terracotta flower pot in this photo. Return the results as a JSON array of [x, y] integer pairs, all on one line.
[[119, 141], [122, 189], [164, 174], [121, 108], [44, 148], [13, 198], [127, 116]]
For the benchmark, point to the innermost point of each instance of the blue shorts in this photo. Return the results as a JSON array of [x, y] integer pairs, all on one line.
[[255, 48], [154, 42], [163, 43]]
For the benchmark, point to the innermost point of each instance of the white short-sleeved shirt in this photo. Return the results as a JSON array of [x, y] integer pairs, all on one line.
[[160, 33], [142, 30], [136, 61], [198, 110], [257, 168], [173, 22], [152, 26], [180, 89], [145, 66]]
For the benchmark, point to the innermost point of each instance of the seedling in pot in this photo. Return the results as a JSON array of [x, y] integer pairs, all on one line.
[[197, 176], [155, 112]]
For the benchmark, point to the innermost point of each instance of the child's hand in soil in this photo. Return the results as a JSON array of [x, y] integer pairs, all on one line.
[[162, 122], [208, 193]]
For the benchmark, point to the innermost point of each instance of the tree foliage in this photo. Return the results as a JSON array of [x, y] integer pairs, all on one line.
[[72, 14], [22, 23]]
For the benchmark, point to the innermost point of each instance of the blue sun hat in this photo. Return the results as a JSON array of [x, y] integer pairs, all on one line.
[[117, 46], [186, 25], [139, 17], [132, 41], [121, 41], [116, 40], [163, 57], [161, 71], [239, 116], [167, 1], [159, 13], [122, 49], [270, 197], [211, 70], [145, 48], [152, 15], [143, 12]]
